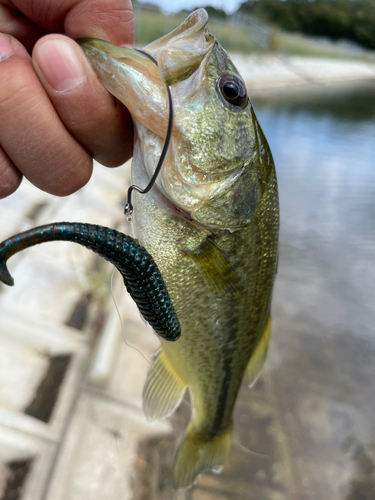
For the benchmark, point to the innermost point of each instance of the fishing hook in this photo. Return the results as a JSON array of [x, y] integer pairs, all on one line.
[[128, 209]]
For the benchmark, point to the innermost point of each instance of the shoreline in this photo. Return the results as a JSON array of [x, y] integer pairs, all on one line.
[[276, 72]]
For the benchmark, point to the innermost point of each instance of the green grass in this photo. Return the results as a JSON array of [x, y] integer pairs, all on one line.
[[150, 25], [234, 37], [306, 46]]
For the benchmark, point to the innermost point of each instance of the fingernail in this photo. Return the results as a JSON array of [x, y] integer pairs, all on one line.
[[6, 49], [60, 65]]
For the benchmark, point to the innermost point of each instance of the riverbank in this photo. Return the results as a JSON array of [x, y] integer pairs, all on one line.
[[267, 72]]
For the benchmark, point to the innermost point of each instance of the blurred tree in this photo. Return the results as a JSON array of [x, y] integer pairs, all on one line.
[[213, 12], [148, 5], [363, 25], [352, 19]]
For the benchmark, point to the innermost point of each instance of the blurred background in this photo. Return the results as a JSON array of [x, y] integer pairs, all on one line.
[[333, 28], [71, 420]]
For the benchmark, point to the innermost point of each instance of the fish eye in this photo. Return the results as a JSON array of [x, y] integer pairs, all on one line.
[[233, 90]]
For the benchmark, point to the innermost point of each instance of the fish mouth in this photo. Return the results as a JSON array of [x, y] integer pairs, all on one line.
[[133, 78], [191, 27]]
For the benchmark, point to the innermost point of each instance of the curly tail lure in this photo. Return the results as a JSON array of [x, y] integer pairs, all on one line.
[[138, 269]]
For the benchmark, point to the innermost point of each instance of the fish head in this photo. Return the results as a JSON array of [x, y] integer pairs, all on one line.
[[218, 160]]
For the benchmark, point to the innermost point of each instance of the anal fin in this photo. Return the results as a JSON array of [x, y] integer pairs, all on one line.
[[163, 389], [258, 357]]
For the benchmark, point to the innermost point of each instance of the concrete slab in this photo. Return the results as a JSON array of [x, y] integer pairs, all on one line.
[[99, 452], [129, 368], [18, 210], [25, 463], [273, 71], [46, 290], [41, 367], [124, 352]]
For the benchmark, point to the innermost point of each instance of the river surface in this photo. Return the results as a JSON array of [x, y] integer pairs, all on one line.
[[321, 366], [323, 144]]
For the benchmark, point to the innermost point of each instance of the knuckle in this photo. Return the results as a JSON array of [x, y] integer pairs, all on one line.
[[10, 177], [15, 86], [73, 178], [115, 158]]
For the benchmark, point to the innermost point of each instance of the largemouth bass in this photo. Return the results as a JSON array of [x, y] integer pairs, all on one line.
[[211, 224]]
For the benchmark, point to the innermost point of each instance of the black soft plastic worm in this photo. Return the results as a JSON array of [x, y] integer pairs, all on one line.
[[141, 275]]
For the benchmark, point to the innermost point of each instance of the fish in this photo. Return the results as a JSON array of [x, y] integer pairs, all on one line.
[[211, 223]]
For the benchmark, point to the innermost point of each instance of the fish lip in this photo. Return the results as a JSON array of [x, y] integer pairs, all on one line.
[[194, 22]]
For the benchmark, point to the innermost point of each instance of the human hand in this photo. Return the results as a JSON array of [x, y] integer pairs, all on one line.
[[54, 113]]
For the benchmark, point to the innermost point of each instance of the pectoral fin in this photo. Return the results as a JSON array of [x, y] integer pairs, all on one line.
[[258, 357], [215, 266], [163, 390]]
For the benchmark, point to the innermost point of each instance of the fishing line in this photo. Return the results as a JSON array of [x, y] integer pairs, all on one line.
[[133, 346], [128, 210], [236, 441], [122, 323]]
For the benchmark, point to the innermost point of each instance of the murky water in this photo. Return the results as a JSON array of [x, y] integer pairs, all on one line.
[[323, 143], [320, 370], [324, 148]]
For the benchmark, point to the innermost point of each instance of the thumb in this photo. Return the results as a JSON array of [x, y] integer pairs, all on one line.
[[84, 106]]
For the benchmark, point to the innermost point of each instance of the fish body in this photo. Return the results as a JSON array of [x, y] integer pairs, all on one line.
[[211, 224]]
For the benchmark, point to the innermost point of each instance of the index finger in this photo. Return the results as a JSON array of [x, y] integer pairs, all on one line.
[[110, 20]]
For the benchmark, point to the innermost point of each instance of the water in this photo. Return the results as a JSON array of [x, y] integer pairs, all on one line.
[[323, 143], [320, 370], [324, 149]]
